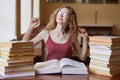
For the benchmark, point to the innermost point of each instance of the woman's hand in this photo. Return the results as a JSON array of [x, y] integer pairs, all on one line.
[[84, 42], [83, 33], [35, 22]]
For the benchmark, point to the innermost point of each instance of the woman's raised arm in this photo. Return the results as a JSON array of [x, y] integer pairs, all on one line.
[[82, 52], [33, 23]]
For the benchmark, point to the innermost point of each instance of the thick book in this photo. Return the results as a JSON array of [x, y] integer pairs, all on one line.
[[103, 63], [105, 57], [104, 71], [17, 64], [107, 44], [5, 62], [18, 57], [108, 69], [17, 53], [16, 44], [16, 68], [104, 50], [111, 45], [105, 66], [18, 73], [64, 66], [8, 57], [107, 39], [14, 50]]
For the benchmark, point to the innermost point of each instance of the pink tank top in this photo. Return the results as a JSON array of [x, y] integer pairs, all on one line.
[[57, 50]]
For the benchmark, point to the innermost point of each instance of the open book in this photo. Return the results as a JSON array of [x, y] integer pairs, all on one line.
[[64, 66]]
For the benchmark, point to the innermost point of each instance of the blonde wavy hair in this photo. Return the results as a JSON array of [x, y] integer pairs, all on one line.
[[71, 27]]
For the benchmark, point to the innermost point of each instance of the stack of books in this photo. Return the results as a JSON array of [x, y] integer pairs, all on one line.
[[16, 59], [105, 55]]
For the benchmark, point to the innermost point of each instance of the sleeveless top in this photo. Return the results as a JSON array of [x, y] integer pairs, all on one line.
[[57, 50]]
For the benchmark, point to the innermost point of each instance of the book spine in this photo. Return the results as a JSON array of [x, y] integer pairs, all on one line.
[[16, 45]]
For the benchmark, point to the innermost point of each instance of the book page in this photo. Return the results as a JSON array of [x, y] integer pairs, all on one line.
[[47, 67], [70, 66], [47, 64], [69, 62]]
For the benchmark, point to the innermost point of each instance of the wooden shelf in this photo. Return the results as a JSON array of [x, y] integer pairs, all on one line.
[[98, 29]]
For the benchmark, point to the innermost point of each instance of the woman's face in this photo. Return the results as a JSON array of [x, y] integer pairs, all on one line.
[[63, 16]]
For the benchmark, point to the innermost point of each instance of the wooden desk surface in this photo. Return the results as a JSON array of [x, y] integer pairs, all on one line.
[[64, 77]]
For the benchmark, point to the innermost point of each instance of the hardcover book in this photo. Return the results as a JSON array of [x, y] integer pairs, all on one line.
[[64, 66], [16, 44], [107, 39]]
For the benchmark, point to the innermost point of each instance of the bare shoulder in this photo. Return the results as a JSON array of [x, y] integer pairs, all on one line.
[[43, 35], [44, 32]]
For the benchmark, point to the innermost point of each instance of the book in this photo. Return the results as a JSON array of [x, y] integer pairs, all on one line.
[[16, 44], [105, 53], [103, 47], [107, 44], [106, 39], [108, 69], [104, 56], [17, 57], [17, 64], [103, 63], [104, 50], [17, 53], [103, 71], [16, 68], [14, 50], [64, 66], [15, 61], [104, 59], [5, 62], [105, 66], [17, 73]]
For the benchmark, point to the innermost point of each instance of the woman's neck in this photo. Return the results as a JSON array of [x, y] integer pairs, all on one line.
[[59, 29]]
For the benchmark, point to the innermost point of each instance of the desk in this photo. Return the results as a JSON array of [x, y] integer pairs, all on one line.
[[65, 77]]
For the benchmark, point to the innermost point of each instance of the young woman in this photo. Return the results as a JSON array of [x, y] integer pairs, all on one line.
[[60, 35]]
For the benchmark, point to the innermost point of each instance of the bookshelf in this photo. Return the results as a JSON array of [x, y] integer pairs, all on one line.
[[98, 29], [86, 1]]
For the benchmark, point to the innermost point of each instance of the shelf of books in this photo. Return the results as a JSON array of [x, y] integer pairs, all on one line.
[[16, 59], [105, 55]]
